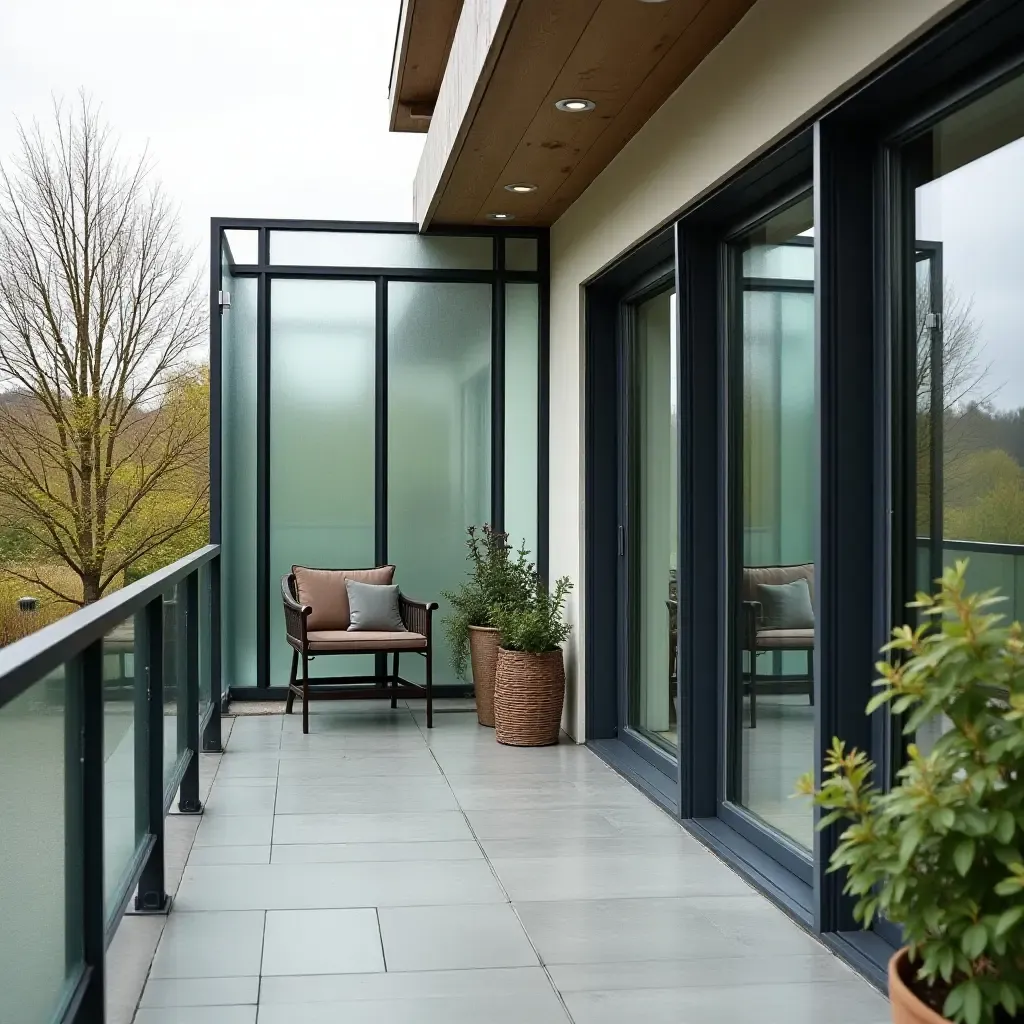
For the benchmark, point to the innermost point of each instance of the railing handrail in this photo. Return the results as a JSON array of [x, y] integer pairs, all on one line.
[[981, 546], [28, 660]]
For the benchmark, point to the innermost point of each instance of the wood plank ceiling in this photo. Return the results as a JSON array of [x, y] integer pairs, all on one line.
[[628, 56]]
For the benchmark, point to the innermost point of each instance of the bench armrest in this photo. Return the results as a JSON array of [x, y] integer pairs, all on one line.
[[751, 624], [295, 614], [416, 615]]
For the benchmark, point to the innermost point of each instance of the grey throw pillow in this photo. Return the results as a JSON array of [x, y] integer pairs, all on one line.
[[373, 607], [786, 605]]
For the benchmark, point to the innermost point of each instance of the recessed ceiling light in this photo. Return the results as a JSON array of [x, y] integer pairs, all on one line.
[[575, 106], [501, 216], [520, 187]]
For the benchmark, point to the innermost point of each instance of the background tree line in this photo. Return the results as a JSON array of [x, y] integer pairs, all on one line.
[[104, 395]]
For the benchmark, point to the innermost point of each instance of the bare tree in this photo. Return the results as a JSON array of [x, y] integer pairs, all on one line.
[[99, 308]]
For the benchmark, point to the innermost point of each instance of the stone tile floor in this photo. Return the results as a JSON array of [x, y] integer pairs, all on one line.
[[373, 872]]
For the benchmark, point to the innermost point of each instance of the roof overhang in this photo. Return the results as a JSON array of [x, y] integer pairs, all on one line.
[[495, 122], [424, 38]]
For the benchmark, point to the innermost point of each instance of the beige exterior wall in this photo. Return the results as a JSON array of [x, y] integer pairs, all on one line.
[[783, 61]]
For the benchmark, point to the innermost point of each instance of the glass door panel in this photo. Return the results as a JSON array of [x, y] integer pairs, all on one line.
[[963, 355], [652, 692], [322, 471], [773, 498]]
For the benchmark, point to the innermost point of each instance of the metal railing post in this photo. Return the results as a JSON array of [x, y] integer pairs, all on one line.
[[212, 742], [188, 801], [152, 895], [85, 907]]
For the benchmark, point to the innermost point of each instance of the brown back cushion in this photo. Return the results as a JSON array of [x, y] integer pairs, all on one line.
[[324, 591], [775, 575]]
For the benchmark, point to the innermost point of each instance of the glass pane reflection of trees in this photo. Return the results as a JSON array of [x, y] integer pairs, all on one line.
[[967, 351]]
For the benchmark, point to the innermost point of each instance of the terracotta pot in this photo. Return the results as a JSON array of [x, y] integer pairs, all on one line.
[[483, 656], [528, 694], [906, 1007]]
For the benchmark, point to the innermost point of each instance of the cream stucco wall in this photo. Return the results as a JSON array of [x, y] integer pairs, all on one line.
[[783, 61]]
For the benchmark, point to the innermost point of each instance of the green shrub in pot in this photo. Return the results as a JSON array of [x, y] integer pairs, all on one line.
[[497, 577], [941, 853], [535, 626]]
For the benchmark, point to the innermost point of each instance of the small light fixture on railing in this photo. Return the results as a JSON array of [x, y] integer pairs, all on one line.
[[28, 604], [575, 105]]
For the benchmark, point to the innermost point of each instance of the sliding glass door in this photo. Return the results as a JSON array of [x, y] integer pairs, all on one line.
[[773, 512], [649, 704]]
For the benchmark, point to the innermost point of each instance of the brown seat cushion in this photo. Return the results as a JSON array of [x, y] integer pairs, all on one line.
[[364, 640], [324, 591], [785, 639]]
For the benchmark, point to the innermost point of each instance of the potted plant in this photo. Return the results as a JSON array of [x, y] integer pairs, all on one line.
[[495, 578], [941, 853], [529, 685]]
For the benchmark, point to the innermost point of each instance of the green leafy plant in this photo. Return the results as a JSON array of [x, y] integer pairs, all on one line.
[[942, 852], [535, 626], [497, 577]]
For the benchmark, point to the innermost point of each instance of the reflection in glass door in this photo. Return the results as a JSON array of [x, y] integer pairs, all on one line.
[[773, 516], [963, 449], [652, 696]]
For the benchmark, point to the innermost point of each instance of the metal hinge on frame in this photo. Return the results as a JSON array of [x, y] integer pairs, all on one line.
[[933, 321], [224, 298]]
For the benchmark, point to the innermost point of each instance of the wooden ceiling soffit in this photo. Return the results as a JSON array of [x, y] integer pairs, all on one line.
[[424, 40], [627, 56]]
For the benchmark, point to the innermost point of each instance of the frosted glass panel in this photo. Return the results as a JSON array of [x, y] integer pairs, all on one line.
[[361, 249], [439, 439], [244, 245], [124, 728], [238, 483], [321, 443], [792, 261], [33, 845], [521, 327], [520, 253]]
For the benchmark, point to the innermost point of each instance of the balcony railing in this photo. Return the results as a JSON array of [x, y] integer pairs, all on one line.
[[991, 566], [101, 719]]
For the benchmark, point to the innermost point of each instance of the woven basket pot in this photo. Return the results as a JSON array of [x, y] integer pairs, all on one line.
[[905, 1006], [528, 694], [483, 655]]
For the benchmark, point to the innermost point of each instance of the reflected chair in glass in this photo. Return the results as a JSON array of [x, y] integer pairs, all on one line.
[[316, 616], [758, 640]]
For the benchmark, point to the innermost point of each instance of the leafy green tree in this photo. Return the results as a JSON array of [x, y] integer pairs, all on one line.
[[103, 448]]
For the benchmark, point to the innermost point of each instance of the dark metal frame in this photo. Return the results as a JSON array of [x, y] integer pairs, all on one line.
[[76, 644], [855, 150], [498, 277], [657, 281]]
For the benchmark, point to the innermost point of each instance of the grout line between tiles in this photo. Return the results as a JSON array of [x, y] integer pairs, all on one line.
[[380, 935], [504, 891]]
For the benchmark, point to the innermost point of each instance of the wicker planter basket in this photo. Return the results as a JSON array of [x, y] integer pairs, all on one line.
[[528, 694], [483, 655]]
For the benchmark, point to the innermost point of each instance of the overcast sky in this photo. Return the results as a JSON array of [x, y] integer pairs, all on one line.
[[976, 213], [270, 108]]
